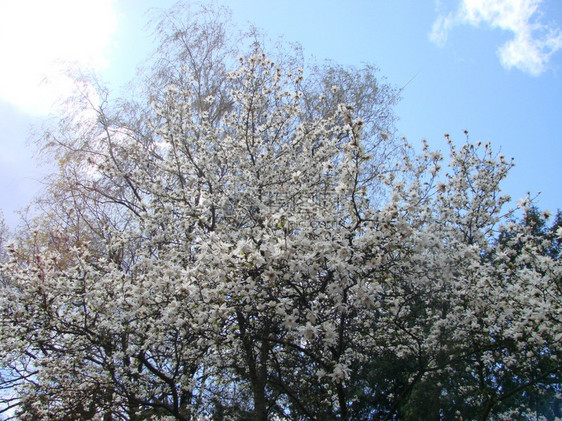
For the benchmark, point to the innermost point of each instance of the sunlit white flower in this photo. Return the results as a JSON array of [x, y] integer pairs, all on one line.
[[339, 373], [523, 203], [290, 321], [309, 331]]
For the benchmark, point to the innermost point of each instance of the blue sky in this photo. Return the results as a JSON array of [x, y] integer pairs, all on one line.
[[493, 67]]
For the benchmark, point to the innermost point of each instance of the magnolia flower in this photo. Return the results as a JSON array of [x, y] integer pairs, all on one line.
[[339, 374], [270, 276], [309, 331], [290, 321], [330, 334]]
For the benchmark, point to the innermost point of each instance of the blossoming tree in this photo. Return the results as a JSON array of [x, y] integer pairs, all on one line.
[[249, 248]]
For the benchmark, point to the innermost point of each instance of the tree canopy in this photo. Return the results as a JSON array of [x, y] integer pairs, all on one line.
[[246, 239]]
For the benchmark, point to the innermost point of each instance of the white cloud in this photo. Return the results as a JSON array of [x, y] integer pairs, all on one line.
[[533, 41], [39, 39], [440, 29]]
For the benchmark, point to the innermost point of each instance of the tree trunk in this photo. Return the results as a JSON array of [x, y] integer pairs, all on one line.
[[257, 367], [260, 406], [343, 402]]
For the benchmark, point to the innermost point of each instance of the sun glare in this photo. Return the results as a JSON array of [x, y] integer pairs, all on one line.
[[40, 39]]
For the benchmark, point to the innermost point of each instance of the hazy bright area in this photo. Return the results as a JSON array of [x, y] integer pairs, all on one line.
[[492, 67]]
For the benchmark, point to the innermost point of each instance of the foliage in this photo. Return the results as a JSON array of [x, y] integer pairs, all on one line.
[[255, 245]]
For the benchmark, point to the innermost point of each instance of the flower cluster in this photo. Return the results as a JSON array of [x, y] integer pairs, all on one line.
[[240, 261]]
